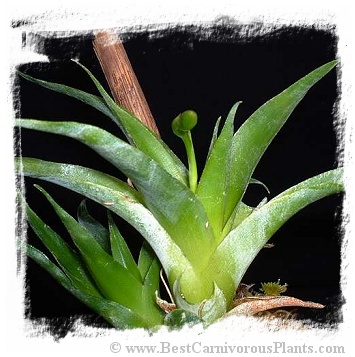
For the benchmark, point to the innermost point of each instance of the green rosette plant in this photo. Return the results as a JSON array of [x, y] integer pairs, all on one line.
[[198, 229]]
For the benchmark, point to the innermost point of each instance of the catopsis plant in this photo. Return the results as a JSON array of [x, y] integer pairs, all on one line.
[[197, 229]]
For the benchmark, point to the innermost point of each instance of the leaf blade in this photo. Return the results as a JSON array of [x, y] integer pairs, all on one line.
[[141, 136], [254, 136], [102, 188], [95, 228], [171, 202], [67, 258], [115, 282], [136, 132], [118, 315], [240, 247], [150, 277], [211, 190], [87, 98], [120, 250]]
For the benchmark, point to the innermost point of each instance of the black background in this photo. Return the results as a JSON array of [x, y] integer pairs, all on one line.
[[208, 70]]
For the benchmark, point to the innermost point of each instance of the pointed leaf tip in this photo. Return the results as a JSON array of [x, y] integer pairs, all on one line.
[[257, 132]]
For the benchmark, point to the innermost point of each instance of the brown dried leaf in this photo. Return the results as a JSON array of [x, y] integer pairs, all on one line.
[[164, 305], [255, 304]]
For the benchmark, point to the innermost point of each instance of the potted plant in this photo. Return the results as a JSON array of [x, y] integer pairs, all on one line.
[[195, 224]]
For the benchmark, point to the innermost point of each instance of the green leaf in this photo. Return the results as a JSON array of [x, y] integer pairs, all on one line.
[[103, 188], [240, 247], [207, 310], [119, 316], [95, 228], [120, 250], [67, 258], [241, 212], [115, 282], [214, 137], [211, 190], [179, 318], [137, 133], [141, 136], [255, 135], [149, 268], [171, 202], [150, 275], [150, 280], [87, 98], [42, 260]]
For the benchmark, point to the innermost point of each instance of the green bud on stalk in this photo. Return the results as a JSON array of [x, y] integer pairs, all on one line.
[[184, 122], [182, 126]]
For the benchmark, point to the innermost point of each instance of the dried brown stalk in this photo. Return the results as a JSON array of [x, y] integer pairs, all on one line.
[[121, 78]]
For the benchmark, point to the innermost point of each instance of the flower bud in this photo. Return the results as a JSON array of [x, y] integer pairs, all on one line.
[[184, 122]]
